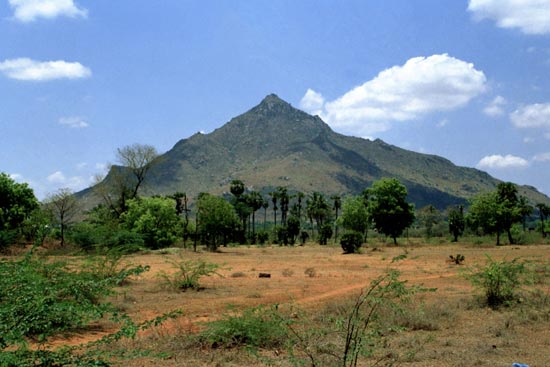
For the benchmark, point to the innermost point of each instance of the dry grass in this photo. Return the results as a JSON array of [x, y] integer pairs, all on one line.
[[443, 328]]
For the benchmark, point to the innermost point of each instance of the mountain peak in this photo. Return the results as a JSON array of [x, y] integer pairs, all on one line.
[[272, 102]]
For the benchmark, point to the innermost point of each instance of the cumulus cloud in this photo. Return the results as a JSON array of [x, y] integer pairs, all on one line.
[[542, 157], [73, 183], [32, 70], [532, 116], [29, 10], [73, 122], [312, 102], [421, 86], [529, 16], [498, 161], [495, 107]]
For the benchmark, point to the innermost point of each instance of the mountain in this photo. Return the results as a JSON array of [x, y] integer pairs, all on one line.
[[275, 144]]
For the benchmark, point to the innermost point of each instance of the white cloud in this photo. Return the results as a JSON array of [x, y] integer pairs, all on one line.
[[29, 10], [542, 157], [81, 166], [31, 70], [73, 183], [442, 123], [498, 161], [57, 177], [495, 107], [530, 16], [312, 102], [421, 86], [74, 122], [532, 116]]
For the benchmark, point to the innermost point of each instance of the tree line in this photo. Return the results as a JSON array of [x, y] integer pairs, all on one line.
[[126, 218]]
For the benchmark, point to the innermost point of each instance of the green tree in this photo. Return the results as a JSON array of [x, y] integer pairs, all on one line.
[[456, 221], [482, 214], [155, 219], [64, 208], [544, 212], [495, 212], [428, 217], [217, 220], [182, 207], [509, 210], [241, 205], [17, 202], [293, 228], [337, 205], [274, 196], [255, 202], [318, 209], [284, 200], [355, 216], [389, 210]]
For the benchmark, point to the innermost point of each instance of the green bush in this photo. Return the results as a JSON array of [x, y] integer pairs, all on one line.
[[262, 237], [39, 299], [351, 242], [256, 327], [188, 274], [125, 241], [499, 280], [325, 233], [7, 238]]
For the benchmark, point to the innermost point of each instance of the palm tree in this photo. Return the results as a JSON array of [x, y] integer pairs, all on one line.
[[274, 197]]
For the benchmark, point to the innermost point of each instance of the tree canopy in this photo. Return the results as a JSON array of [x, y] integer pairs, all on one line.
[[17, 201], [389, 210]]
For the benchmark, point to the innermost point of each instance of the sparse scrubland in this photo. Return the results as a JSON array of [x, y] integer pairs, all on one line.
[[406, 305]]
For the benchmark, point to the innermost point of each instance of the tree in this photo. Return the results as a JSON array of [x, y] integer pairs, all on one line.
[[544, 212], [525, 210], [155, 219], [274, 197], [182, 208], [509, 210], [355, 216], [17, 201], [284, 201], [138, 158], [495, 212], [428, 217], [337, 205], [317, 208], [217, 220], [255, 202], [388, 208], [456, 221], [64, 207], [293, 228]]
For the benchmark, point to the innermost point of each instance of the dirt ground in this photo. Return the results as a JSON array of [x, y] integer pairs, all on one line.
[[312, 276]]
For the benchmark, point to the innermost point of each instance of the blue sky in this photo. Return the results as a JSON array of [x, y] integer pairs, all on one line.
[[467, 80]]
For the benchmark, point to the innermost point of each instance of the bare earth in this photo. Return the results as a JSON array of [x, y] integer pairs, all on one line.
[[312, 276]]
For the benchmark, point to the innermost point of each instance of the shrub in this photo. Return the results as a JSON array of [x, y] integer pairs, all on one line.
[[40, 299], [256, 327], [458, 259], [310, 272], [499, 280], [351, 242], [125, 241], [189, 273], [325, 233], [262, 237]]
